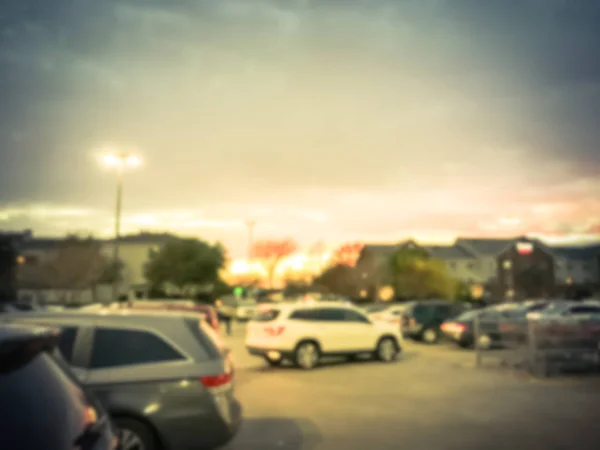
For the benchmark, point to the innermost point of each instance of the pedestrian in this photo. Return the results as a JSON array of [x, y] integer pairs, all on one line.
[[224, 317]]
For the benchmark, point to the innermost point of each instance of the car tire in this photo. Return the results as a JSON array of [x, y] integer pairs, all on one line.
[[465, 344], [387, 350], [484, 342], [430, 336], [307, 355], [273, 362], [134, 435]]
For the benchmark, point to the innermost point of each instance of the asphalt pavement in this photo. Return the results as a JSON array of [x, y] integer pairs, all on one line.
[[431, 398]]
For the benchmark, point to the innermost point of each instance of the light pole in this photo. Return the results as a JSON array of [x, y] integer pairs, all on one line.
[[120, 161]]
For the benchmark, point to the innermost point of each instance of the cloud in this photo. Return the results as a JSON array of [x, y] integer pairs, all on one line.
[[322, 119], [43, 212]]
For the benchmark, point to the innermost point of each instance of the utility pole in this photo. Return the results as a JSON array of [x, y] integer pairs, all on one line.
[[250, 224], [119, 203]]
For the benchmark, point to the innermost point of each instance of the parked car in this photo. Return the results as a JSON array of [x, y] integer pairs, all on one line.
[[565, 309], [42, 404], [241, 309], [388, 312], [164, 377], [16, 306], [421, 320], [499, 325], [304, 333]]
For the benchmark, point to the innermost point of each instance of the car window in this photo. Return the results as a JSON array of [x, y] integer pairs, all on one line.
[[332, 315], [537, 307], [423, 312], [585, 310], [354, 316], [66, 344], [442, 311], [117, 348], [267, 316], [305, 314]]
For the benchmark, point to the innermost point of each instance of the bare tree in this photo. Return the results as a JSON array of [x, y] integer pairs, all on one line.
[[74, 264]]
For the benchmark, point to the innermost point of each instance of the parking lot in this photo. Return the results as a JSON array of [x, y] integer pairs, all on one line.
[[432, 398]]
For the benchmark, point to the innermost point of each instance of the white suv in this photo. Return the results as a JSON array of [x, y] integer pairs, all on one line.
[[303, 333]]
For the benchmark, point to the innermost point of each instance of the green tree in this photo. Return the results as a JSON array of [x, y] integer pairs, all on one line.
[[339, 279], [462, 291], [186, 263], [414, 274], [112, 272]]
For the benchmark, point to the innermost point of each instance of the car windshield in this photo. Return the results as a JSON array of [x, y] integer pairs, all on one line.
[[467, 316]]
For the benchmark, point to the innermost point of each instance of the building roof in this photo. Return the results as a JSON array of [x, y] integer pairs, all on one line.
[[38, 243], [378, 248], [146, 238], [577, 252], [46, 243], [485, 246], [449, 252]]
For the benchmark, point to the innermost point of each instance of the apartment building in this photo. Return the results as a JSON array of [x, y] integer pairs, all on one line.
[[488, 261], [134, 252]]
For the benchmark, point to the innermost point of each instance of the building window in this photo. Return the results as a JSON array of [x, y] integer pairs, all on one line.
[[473, 266], [452, 265]]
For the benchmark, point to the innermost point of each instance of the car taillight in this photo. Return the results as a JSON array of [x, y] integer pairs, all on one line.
[[274, 331], [450, 327], [216, 381]]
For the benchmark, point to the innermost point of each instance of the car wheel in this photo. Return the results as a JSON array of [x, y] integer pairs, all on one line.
[[134, 435], [484, 342], [387, 350], [430, 336], [307, 355], [465, 344], [273, 362]]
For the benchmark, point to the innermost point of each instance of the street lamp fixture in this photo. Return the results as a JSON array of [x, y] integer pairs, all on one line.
[[119, 161]]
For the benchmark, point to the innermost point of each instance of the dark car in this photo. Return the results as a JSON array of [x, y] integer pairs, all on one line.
[[165, 377], [421, 320], [42, 405], [497, 325]]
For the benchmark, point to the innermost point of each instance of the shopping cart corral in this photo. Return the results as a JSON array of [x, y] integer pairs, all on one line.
[[543, 347], [565, 345]]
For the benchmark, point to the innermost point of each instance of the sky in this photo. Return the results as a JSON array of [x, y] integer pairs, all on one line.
[[322, 120]]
